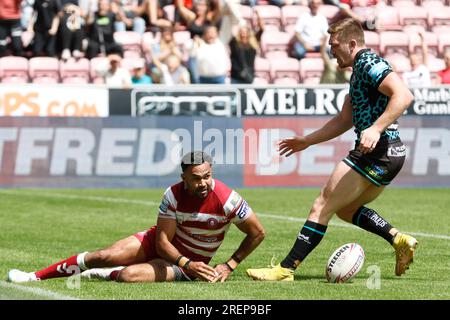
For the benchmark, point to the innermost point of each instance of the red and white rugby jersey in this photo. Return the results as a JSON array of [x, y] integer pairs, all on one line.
[[202, 223]]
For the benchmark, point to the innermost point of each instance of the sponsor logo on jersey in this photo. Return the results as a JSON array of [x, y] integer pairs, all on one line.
[[243, 210], [375, 171], [303, 237], [212, 223], [396, 151], [164, 205]]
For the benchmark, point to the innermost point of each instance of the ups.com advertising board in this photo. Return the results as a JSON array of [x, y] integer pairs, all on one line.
[[53, 101]]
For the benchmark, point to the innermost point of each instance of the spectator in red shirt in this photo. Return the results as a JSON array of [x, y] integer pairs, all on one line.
[[10, 26], [444, 75]]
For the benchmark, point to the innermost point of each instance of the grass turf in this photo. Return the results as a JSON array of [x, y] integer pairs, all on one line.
[[41, 227]]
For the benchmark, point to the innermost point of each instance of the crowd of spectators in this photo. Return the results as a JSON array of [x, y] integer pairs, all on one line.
[[222, 46]]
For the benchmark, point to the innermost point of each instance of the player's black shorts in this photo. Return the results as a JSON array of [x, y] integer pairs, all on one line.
[[382, 164]]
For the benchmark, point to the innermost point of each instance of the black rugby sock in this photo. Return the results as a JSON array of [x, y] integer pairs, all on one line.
[[308, 238], [370, 220]]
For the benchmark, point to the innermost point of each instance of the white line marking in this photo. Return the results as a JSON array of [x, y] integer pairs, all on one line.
[[153, 203], [36, 291]]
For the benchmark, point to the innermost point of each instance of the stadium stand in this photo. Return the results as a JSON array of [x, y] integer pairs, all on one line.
[[44, 70], [14, 69], [396, 36], [75, 71]]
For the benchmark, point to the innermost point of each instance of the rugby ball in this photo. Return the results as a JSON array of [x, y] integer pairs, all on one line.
[[345, 263]]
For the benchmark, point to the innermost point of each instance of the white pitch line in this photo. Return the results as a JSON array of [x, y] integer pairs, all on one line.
[[36, 291], [153, 203]]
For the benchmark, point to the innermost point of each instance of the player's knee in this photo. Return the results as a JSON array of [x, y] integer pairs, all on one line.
[[128, 275], [103, 256]]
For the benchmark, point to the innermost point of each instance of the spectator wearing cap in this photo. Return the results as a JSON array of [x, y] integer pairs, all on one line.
[[113, 73], [138, 75]]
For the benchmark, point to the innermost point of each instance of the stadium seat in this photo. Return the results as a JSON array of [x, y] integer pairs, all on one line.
[[389, 20], [441, 29], [439, 16], [431, 39], [287, 67], [247, 14], [270, 15], [372, 39], [399, 62], [444, 42], [130, 40], [95, 63], [311, 81], [400, 4], [74, 71], [147, 41], [260, 81], [276, 55], [394, 41], [13, 70], [432, 4], [262, 68], [290, 14], [181, 37], [329, 11], [413, 15], [44, 70], [275, 41], [311, 69], [286, 81]]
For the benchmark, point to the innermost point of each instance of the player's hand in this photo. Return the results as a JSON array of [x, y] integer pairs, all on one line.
[[202, 271], [369, 140], [291, 145], [223, 272]]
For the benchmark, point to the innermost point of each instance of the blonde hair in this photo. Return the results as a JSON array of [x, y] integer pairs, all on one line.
[[348, 29], [253, 42]]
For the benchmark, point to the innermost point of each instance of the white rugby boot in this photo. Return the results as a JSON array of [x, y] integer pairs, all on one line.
[[17, 276], [99, 273]]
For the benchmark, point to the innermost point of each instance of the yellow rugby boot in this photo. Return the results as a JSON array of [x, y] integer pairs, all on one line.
[[275, 273], [404, 246]]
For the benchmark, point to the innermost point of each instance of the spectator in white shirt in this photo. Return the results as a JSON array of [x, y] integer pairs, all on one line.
[[310, 28], [419, 76], [172, 71], [113, 74], [211, 56]]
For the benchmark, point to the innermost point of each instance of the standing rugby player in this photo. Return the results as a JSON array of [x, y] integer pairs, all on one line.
[[377, 98]]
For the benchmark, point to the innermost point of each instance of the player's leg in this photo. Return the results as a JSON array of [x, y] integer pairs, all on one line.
[[368, 219], [124, 252], [343, 187], [155, 270]]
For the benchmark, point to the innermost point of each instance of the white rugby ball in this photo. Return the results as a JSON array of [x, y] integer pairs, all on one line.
[[345, 263]]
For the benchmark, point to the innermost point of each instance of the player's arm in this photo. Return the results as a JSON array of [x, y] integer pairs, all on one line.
[[333, 128], [400, 98], [165, 231]]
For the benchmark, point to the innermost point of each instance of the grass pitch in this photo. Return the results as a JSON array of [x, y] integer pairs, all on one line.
[[41, 227]]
